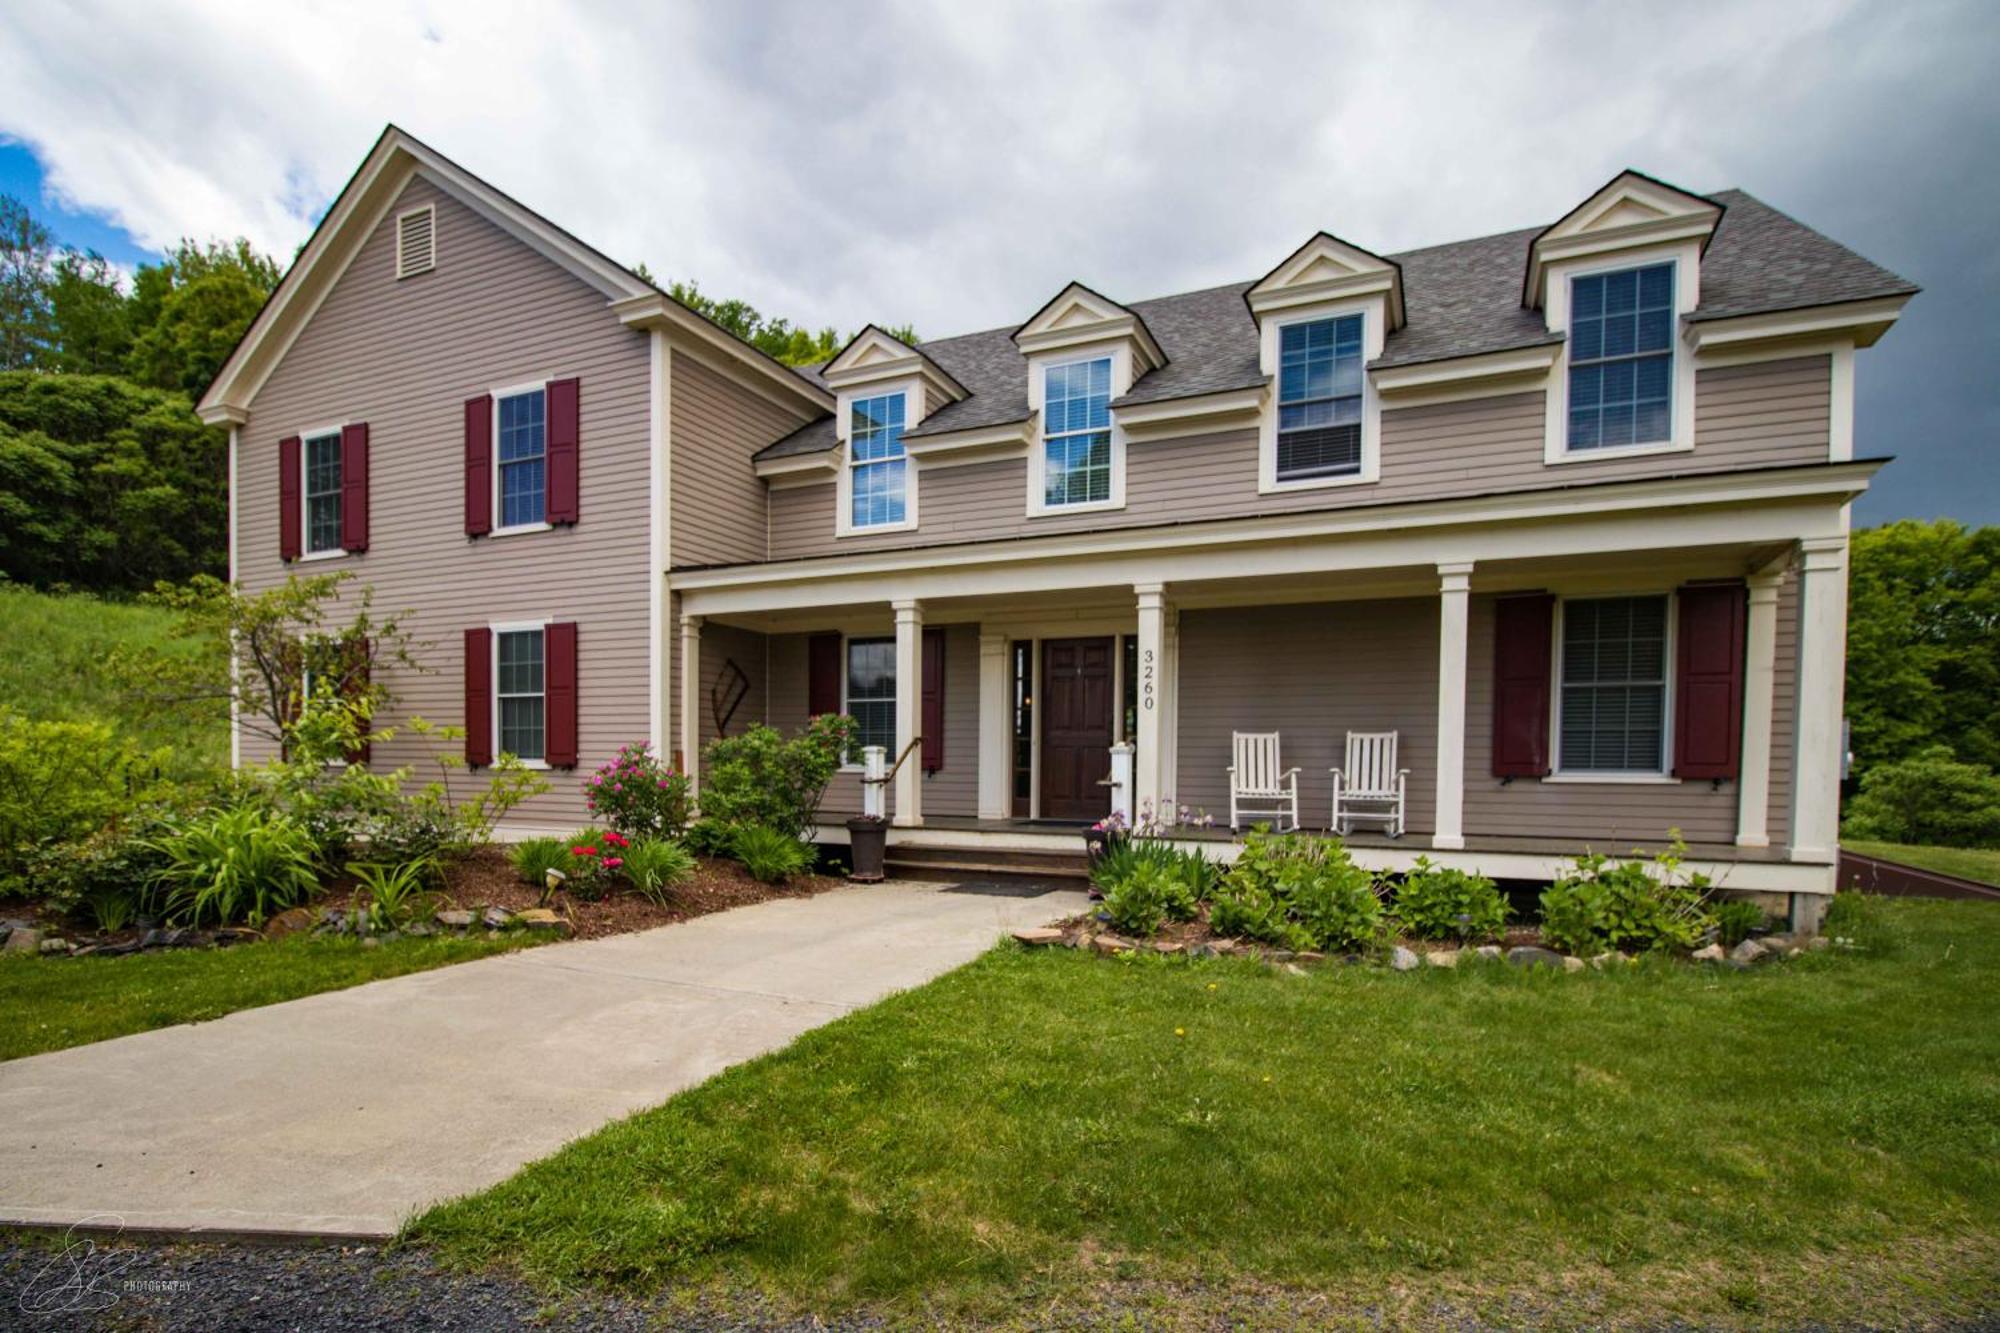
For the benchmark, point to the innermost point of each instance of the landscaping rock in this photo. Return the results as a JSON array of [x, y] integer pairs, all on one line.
[[498, 918], [455, 918], [335, 917], [1818, 942], [1442, 958], [1308, 956], [1293, 970], [371, 942], [1203, 949], [1777, 943], [1528, 955], [1747, 952], [1110, 944], [1403, 960], [1279, 955], [23, 939], [420, 929], [1167, 946], [1571, 963], [1710, 953], [1492, 953], [1610, 958], [53, 945], [541, 918], [288, 923], [1039, 936]]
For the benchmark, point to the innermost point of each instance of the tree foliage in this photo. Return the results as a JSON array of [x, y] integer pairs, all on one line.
[[1923, 642], [775, 337]]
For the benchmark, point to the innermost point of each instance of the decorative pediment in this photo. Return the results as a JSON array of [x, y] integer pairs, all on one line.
[[1079, 315], [1327, 268], [1631, 210], [875, 354]]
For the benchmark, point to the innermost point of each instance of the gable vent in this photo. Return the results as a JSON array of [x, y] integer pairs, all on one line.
[[416, 241]]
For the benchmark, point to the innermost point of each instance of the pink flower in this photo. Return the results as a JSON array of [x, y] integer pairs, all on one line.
[[612, 863], [583, 849]]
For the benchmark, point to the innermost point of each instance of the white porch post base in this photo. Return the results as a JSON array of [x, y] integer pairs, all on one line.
[[1822, 665], [691, 699], [909, 781], [1760, 656], [995, 738], [1454, 600]]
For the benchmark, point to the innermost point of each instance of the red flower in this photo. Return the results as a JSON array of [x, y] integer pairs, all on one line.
[[583, 850], [616, 840]]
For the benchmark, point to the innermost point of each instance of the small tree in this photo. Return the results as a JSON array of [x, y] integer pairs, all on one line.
[[309, 659]]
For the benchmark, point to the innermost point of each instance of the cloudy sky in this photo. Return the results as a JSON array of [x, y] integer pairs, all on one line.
[[953, 164]]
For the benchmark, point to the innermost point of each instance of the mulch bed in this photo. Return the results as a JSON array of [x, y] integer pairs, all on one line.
[[486, 879]]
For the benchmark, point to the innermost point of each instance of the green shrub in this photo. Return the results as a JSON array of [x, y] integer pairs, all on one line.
[[709, 837], [395, 893], [596, 863], [241, 864], [536, 857], [1136, 904], [638, 795], [60, 782], [1735, 918], [119, 860], [760, 778], [1603, 904], [1177, 882], [1298, 892], [1436, 903], [770, 855], [654, 866], [1929, 800]]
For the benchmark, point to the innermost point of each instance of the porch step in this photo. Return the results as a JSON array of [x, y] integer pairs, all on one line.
[[913, 867]]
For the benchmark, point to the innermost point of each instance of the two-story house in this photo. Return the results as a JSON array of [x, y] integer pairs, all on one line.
[[1566, 509]]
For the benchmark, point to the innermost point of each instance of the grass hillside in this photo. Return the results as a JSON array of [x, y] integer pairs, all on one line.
[[53, 650]]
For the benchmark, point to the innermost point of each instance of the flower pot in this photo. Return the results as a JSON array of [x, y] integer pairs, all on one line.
[[867, 839]]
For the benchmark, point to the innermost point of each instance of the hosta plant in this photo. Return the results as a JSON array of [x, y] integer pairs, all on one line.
[[1437, 903]]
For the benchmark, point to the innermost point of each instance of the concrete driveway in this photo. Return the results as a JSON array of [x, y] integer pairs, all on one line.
[[344, 1113]]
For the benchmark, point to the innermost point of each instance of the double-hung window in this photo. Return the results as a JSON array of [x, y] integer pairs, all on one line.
[[871, 693], [1319, 398], [1621, 358], [1076, 433], [521, 696], [875, 453], [322, 492], [1613, 708], [523, 458]]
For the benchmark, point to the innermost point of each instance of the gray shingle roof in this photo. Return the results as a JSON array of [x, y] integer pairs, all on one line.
[[1460, 299]]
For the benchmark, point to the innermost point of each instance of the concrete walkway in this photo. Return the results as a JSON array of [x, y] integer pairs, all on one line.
[[344, 1113]]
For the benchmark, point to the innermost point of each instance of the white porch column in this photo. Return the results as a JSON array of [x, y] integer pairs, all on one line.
[[1822, 666], [995, 736], [1454, 598], [909, 783], [1146, 791], [1760, 675], [1170, 708], [691, 698]]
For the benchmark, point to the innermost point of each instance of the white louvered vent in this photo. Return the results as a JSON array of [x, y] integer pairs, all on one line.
[[416, 241]]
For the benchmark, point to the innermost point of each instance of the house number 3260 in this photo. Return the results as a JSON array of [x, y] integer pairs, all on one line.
[[1146, 680]]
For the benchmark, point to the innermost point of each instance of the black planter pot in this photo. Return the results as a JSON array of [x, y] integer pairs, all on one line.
[[867, 840]]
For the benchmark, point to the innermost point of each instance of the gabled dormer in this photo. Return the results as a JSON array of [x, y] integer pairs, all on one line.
[[882, 387], [1631, 211], [1322, 315], [1083, 351]]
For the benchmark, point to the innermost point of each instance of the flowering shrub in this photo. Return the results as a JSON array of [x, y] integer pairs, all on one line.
[[638, 795], [596, 863]]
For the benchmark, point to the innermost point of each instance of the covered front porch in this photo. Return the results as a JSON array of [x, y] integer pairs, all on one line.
[[1013, 682]]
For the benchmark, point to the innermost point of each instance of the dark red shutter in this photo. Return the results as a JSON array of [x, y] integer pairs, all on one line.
[[933, 700], [358, 679], [822, 674], [479, 465], [478, 697], [1708, 681], [1522, 627], [565, 433], [290, 500], [559, 690], [354, 488]]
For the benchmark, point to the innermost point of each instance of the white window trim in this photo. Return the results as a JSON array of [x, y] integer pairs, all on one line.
[[1120, 356], [515, 391], [402, 269], [1373, 312], [913, 413], [497, 628], [336, 551], [1664, 776], [845, 704], [1685, 256]]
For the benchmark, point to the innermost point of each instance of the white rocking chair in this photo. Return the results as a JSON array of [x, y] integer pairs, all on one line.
[[1370, 778], [1259, 787]]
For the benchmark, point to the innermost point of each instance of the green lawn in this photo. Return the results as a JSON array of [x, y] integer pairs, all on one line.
[[1044, 1135], [1966, 862], [52, 655], [49, 1003]]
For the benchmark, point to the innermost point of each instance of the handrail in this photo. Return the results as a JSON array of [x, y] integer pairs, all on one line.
[[915, 741]]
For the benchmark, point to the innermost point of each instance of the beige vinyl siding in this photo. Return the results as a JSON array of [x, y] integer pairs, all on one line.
[[720, 645], [1312, 673], [718, 499], [1760, 415], [403, 356], [953, 789]]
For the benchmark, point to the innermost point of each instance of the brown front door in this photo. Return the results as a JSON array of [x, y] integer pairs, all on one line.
[[1076, 728]]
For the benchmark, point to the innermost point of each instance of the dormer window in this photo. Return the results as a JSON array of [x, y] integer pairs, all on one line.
[[880, 481], [1319, 398], [1621, 358], [1076, 433]]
